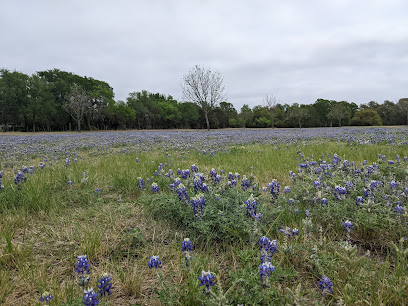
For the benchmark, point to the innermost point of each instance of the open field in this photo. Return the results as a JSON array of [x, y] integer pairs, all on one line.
[[265, 211]]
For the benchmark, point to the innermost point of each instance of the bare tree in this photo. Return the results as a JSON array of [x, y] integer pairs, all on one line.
[[270, 103], [203, 87], [77, 103]]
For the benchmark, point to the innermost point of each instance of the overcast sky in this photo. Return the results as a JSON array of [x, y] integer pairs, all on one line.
[[296, 50]]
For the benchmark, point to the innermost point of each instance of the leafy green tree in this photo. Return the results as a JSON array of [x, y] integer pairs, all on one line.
[[340, 111], [299, 113], [13, 98], [190, 115], [403, 105], [366, 117], [246, 114], [321, 108], [40, 107]]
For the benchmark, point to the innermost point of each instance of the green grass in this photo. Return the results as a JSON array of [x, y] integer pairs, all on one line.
[[46, 225]]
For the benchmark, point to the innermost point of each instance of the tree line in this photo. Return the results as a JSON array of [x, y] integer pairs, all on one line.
[[55, 100]]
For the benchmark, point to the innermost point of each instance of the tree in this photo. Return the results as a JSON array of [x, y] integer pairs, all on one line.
[[270, 103], [366, 117], [298, 113], [77, 103], [403, 105], [203, 87], [340, 111]]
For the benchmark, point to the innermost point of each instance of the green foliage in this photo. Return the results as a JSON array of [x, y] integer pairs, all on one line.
[[366, 117]]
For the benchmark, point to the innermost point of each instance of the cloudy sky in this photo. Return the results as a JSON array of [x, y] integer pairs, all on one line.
[[296, 50]]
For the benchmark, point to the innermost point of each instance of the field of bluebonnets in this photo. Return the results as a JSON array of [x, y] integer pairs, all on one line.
[[252, 217]]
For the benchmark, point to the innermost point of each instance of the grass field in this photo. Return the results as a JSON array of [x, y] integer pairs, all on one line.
[[266, 212]]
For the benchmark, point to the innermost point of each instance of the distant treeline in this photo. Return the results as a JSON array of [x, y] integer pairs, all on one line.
[[56, 100]]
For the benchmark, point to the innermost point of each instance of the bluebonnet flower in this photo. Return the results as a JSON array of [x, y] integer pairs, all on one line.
[[274, 188], [206, 280], [267, 247], [90, 297], [177, 181], [82, 266], [290, 201], [46, 297], [194, 168], [66, 162], [340, 192], [98, 190], [231, 176], [244, 183], [182, 192], [399, 209], [237, 176], [198, 203], [19, 178], [251, 206], [325, 285], [31, 170], [155, 187], [154, 262], [217, 178], [137, 160], [317, 184], [265, 270], [359, 200], [70, 183], [204, 187], [186, 245], [287, 231], [140, 183], [348, 226], [324, 202], [349, 185], [391, 162], [286, 190], [198, 183], [393, 184], [213, 173], [104, 284], [41, 165], [307, 213], [187, 248], [335, 160], [185, 174], [24, 169]]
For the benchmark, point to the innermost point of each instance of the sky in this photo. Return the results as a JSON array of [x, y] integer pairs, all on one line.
[[297, 50]]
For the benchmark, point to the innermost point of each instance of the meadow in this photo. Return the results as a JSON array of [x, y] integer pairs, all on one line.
[[228, 217]]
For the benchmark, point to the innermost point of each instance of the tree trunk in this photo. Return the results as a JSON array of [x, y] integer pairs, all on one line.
[[207, 121], [339, 122], [79, 124], [300, 124]]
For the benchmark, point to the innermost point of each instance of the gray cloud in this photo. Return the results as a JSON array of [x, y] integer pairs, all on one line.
[[296, 50]]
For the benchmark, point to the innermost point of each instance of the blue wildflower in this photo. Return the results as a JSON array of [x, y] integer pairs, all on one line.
[[155, 187], [46, 297], [198, 203], [325, 285], [348, 226], [359, 200], [140, 183], [324, 202], [245, 183], [182, 192], [82, 266], [265, 270], [104, 284], [274, 188], [90, 297], [154, 262], [206, 280], [399, 209], [194, 168], [286, 190]]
